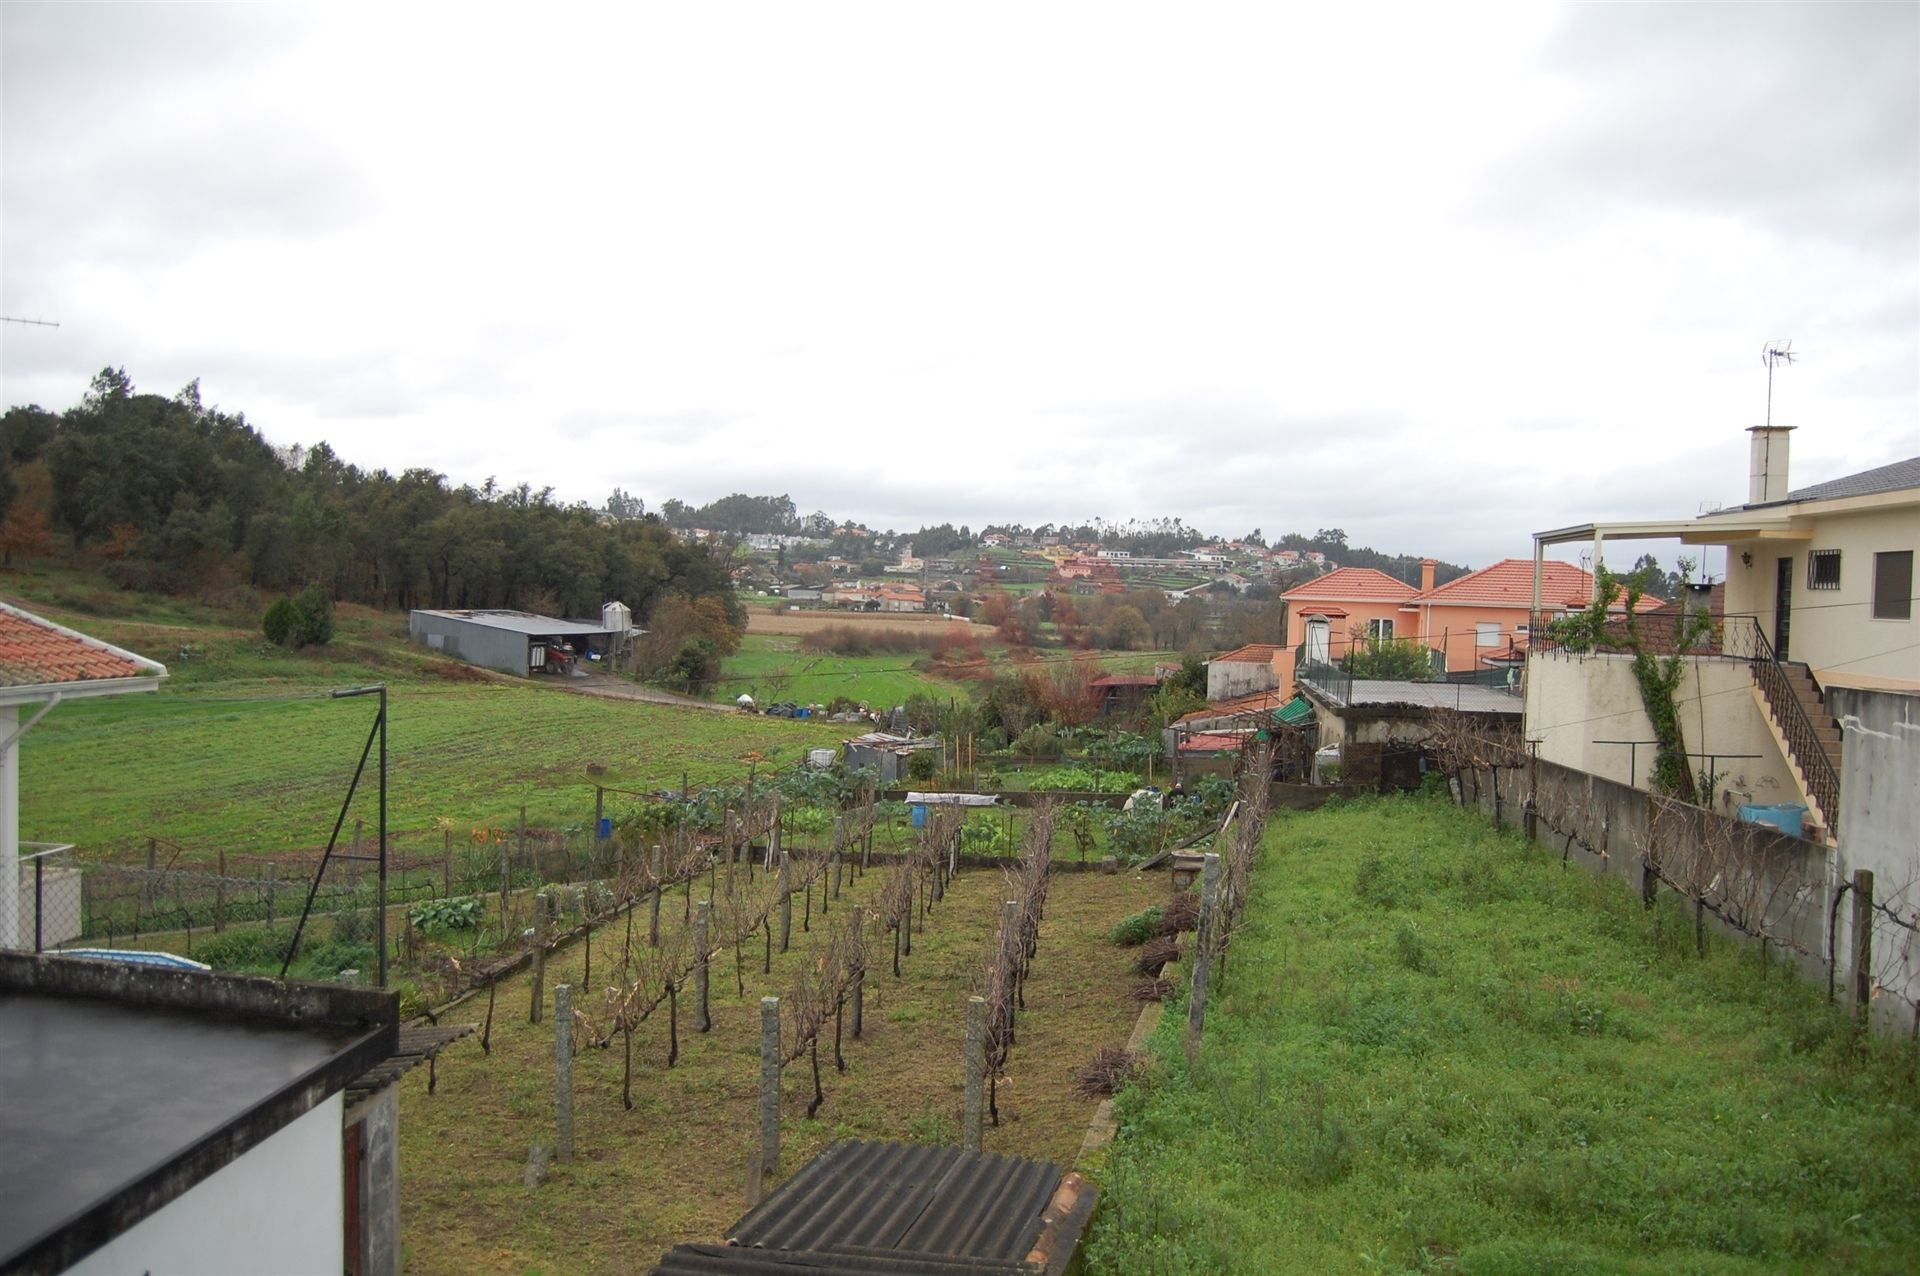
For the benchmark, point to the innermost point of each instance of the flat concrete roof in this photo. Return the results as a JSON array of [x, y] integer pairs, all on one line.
[[1467, 697], [120, 1094]]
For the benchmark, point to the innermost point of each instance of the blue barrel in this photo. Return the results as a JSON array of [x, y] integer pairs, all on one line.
[[606, 826], [919, 815]]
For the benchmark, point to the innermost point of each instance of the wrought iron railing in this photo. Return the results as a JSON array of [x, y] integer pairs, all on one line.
[[1743, 637], [1330, 678]]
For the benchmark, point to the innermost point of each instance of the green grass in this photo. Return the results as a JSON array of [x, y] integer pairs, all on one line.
[[243, 749], [1438, 1049], [771, 667]]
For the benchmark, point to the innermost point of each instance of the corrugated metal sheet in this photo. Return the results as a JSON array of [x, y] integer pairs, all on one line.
[[914, 1197], [735, 1260]]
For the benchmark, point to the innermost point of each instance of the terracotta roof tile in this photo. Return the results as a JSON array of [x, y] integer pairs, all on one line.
[[1254, 653], [1353, 584], [1509, 583], [34, 652]]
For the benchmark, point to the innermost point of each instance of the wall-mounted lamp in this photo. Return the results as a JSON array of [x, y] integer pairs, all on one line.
[[1746, 558]]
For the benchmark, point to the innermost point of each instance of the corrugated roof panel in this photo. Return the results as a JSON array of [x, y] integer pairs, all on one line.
[[916, 1197]]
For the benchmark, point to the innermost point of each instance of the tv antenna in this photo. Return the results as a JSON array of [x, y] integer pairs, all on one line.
[[1774, 354], [41, 323]]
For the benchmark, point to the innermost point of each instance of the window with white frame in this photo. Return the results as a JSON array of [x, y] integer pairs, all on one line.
[[1823, 569], [1486, 634], [1382, 629]]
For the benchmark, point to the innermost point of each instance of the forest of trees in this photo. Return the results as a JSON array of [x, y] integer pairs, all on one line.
[[173, 496]]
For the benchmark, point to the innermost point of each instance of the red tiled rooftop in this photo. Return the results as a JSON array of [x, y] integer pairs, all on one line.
[[1509, 583], [1211, 741], [1254, 653], [34, 652], [1252, 702], [1353, 584]]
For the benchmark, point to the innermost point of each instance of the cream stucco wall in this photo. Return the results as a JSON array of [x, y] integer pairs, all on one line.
[[277, 1209], [1575, 701], [1833, 630]]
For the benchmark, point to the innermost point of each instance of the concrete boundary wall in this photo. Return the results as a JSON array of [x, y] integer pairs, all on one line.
[[1755, 881]]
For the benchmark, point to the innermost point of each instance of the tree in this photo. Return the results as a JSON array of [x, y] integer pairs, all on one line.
[[624, 505], [1123, 628]]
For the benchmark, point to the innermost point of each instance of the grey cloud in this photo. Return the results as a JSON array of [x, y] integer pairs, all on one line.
[[1804, 117]]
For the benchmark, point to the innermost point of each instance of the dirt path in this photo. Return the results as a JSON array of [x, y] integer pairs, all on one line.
[[608, 687]]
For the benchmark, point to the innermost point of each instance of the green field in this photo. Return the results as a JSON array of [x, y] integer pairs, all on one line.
[[771, 668], [242, 749], [1439, 1049]]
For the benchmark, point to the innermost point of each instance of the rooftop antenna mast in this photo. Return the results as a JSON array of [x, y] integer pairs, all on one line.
[[42, 323], [1774, 354]]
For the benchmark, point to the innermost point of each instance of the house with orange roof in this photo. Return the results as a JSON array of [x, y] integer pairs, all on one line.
[[1348, 605], [1482, 618], [44, 665]]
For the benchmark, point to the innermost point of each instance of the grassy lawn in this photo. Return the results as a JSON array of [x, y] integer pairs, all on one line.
[[771, 667], [675, 1167], [1438, 1049], [241, 746]]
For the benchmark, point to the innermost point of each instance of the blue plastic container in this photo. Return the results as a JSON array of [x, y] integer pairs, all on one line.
[[1789, 817], [606, 826], [919, 815]]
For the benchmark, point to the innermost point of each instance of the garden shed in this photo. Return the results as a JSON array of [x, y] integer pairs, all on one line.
[[887, 754]]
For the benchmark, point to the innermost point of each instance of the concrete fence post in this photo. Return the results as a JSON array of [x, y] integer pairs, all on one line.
[[860, 980], [1203, 944], [976, 1072], [563, 1071], [1862, 943], [537, 1002], [702, 1016], [786, 903], [653, 909], [769, 1086]]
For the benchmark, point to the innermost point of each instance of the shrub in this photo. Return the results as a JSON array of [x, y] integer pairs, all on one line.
[[242, 947], [305, 620], [920, 764], [1136, 928], [277, 624], [446, 914], [313, 617]]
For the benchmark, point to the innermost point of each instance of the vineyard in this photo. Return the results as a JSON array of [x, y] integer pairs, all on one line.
[[665, 1080]]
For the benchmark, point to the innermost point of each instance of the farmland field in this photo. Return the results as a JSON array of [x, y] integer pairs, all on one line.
[[243, 748], [761, 621], [771, 667], [674, 1168]]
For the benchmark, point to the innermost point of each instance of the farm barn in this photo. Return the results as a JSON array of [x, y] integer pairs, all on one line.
[[519, 642]]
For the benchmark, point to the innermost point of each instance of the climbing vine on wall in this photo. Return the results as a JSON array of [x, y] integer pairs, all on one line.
[[1658, 677]]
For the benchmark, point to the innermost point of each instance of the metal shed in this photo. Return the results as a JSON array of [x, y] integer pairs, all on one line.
[[886, 754], [515, 642]]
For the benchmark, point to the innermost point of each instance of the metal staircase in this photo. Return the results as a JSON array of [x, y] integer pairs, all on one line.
[[1796, 712]]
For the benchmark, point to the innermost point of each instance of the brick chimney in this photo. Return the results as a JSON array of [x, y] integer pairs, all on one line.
[[1767, 464], [1426, 574]]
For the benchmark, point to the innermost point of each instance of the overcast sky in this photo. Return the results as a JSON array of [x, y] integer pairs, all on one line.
[[1441, 275]]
